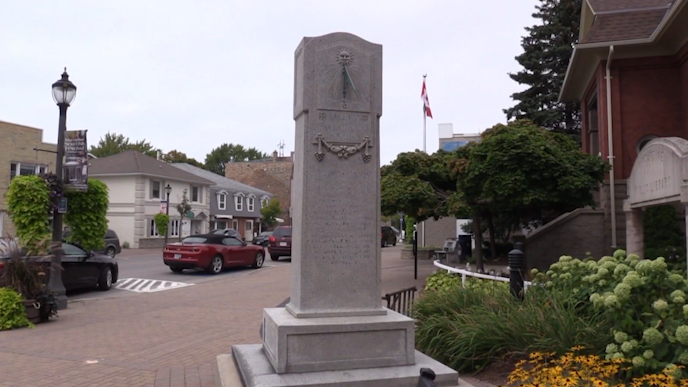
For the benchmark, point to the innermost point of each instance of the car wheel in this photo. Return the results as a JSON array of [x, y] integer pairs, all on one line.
[[258, 261], [105, 279], [215, 265], [274, 257], [110, 252], [176, 269]]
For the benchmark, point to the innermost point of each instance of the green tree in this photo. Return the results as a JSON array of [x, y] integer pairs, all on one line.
[[113, 143], [86, 215], [517, 170], [546, 53], [183, 208], [161, 223], [175, 156], [29, 203], [217, 158], [270, 212]]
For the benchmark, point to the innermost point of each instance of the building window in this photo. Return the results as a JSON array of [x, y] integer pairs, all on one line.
[[196, 194], [643, 141], [249, 225], [235, 224], [155, 189], [174, 227], [222, 225], [17, 169], [222, 201], [249, 203], [153, 229], [239, 203]]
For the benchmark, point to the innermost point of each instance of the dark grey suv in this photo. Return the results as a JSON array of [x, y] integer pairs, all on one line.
[[111, 247]]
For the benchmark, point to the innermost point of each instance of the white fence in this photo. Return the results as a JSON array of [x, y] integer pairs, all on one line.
[[466, 273]]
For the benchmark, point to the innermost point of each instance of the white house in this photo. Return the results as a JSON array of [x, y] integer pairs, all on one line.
[[137, 185]]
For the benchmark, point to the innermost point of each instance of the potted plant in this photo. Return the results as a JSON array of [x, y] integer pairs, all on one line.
[[28, 277]]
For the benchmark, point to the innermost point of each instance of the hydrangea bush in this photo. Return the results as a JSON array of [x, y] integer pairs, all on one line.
[[644, 301]]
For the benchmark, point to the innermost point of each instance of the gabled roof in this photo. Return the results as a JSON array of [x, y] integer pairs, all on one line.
[[636, 28], [221, 181], [136, 163]]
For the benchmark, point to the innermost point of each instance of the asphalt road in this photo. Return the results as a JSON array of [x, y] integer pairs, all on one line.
[[143, 271]]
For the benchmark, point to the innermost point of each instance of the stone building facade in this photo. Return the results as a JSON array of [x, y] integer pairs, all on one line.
[[23, 153], [273, 175]]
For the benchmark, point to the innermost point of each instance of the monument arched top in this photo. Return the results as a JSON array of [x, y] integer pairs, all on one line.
[[659, 172]]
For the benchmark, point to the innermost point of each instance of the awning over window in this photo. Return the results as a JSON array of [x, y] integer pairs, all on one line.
[[279, 220], [224, 217]]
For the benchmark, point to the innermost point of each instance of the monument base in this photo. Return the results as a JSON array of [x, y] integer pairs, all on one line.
[[294, 344], [249, 367]]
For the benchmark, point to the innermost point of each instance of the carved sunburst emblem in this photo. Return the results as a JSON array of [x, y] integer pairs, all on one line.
[[345, 57]]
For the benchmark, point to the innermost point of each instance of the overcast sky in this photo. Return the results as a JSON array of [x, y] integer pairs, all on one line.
[[190, 75]]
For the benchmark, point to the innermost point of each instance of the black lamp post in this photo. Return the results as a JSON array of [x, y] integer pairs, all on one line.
[[168, 190], [64, 92]]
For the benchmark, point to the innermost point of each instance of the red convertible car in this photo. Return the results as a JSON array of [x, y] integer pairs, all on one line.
[[212, 253]]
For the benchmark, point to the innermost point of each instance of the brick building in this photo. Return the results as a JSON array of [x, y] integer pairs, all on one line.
[[273, 175], [630, 73], [23, 153]]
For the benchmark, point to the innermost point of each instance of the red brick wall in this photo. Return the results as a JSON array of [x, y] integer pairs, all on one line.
[[646, 99]]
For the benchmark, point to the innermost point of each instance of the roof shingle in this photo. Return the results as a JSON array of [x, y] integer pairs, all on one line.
[[221, 181], [612, 27], [133, 162]]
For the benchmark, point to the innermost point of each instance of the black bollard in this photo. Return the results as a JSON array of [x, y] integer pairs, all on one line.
[[517, 268], [415, 255], [427, 378]]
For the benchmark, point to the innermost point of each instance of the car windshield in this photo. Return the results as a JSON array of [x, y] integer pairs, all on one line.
[[193, 240], [282, 232], [264, 234]]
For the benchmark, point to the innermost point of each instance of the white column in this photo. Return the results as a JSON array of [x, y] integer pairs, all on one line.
[[635, 243]]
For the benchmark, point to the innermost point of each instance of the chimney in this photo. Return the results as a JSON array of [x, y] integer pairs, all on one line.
[[159, 154], [292, 155], [274, 156]]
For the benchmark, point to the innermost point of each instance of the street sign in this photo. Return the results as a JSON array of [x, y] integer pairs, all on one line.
[[190, 214], [62, 206]]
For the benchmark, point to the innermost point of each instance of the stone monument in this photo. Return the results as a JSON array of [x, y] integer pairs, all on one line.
[[335, 331]]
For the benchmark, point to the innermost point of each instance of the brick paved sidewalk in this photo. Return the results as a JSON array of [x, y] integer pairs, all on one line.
[[165, 339]]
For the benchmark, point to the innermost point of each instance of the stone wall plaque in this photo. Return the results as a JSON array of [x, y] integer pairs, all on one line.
[[658, 172]]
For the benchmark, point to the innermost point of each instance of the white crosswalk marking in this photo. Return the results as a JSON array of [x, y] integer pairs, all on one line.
[[141, 285]]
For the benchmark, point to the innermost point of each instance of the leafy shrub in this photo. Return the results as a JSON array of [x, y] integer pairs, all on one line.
[[442, 280], [469, 328], [576, 369], [161, 222], [643, 300], [663, 236], [125, 245], [86, 215], [12, 312], [29, 205]]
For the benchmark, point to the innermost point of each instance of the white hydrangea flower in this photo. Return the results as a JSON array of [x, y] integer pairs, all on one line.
[[660, 305], [620, 337]]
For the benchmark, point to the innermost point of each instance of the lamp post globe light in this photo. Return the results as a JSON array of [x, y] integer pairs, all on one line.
[[64, 92], [168, 190]]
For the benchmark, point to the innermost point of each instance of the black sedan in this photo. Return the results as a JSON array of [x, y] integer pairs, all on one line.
[[81, 269], [262, 238]]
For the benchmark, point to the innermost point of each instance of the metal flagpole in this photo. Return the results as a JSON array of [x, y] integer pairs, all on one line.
[[422, 235]]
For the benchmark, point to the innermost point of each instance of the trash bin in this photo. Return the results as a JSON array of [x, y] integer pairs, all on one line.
[[466, 243]]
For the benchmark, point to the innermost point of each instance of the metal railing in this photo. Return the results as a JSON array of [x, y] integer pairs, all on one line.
[[401, 301], [466, 273]]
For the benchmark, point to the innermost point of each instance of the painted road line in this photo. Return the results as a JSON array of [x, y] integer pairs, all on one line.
[[141, 285]]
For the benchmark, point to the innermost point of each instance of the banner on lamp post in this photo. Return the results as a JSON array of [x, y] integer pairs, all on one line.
[[76, 160]]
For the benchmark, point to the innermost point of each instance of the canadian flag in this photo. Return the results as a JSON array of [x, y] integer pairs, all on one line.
[[426, 102]]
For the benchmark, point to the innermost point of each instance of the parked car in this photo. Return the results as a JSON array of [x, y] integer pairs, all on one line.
[[279, 243], [387, 236], [227, 232], [212, 253], [81, 269], [111, 247], [262, 238]]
